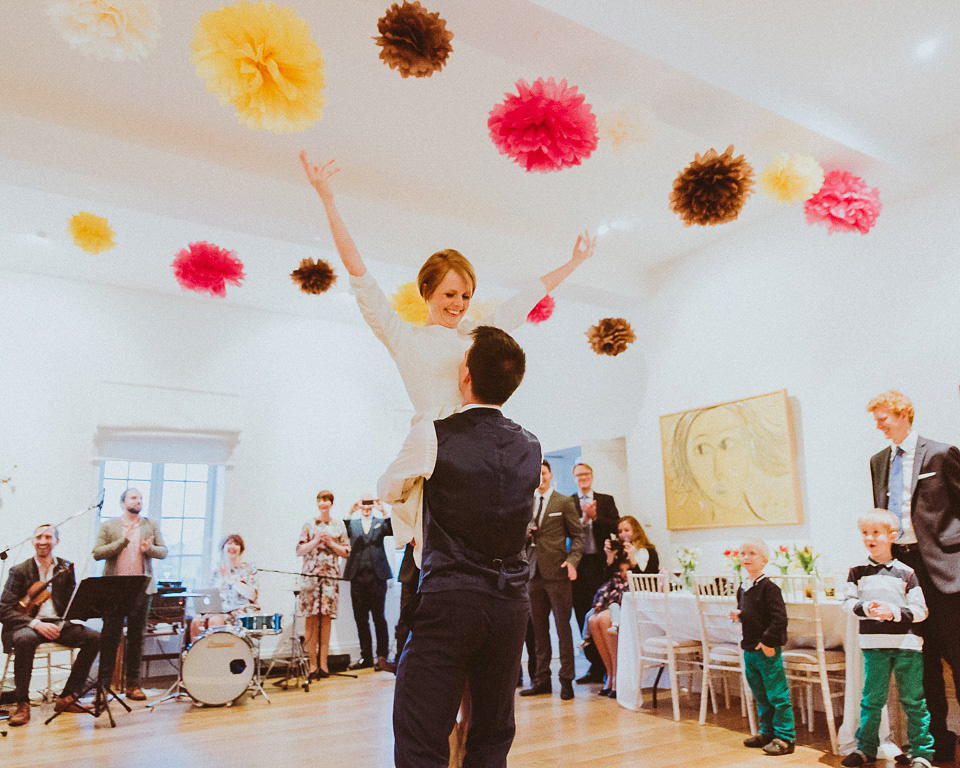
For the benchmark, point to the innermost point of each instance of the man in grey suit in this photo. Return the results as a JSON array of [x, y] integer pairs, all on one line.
[[552, 571], [919, 481]]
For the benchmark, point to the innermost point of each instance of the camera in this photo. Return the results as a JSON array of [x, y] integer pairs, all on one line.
[[366, 502], [615, 544]]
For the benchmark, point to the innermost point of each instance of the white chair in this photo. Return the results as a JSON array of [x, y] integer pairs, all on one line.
[[805, 659], [44, 655], [657, 647], [716, 597]]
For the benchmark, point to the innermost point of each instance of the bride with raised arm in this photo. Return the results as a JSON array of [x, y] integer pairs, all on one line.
[[429, 356]]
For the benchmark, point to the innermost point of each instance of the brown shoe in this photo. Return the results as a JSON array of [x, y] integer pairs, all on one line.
[[135, 693], [70, 703], [384, 665], [21, 716]]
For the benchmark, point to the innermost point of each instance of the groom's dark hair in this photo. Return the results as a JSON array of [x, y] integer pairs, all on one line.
[[496, 364]]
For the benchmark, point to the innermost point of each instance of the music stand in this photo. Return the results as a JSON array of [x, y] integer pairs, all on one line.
[[98, 597]]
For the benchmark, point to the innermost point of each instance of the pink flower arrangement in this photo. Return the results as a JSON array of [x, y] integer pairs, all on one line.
[[206, 268], [543, 310], [545, 126], [844, 203]]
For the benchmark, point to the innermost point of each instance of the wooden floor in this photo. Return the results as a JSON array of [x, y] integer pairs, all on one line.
[[347, 722]]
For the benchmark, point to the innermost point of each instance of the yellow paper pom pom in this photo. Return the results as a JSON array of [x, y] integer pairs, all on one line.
[[409, 304], [91, 232], [792, 178], [260, 58]]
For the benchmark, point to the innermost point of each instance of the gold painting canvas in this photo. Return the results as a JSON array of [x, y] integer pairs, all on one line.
[[731, 464]]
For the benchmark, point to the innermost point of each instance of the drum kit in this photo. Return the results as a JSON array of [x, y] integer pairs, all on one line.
[[221, 664]]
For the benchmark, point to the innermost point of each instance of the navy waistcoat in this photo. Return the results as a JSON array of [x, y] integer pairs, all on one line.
[[477, 505]]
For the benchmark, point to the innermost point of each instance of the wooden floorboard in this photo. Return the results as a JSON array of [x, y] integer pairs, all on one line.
[[347, 722]]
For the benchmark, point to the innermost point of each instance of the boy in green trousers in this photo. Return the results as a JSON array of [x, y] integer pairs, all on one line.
[[763, 617]]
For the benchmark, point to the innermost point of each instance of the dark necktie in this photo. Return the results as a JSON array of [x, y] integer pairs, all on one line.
[[895, 502], [539, 512]]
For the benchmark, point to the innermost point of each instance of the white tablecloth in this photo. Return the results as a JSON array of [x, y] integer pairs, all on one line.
[[840, 630]]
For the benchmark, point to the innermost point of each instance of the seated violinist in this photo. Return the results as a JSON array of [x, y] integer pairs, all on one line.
[[35, 596], [239, 586]]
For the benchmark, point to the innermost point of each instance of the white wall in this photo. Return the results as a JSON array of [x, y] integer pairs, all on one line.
[[834, 319]]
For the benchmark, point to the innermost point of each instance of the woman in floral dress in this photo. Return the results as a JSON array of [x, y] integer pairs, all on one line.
[[323, 541]]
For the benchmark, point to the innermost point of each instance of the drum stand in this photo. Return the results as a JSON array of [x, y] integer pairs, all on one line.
[[297, 666], [256, 684], [175, 691]]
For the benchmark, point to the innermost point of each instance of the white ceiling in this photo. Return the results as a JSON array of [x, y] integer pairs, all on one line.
[[870, 86]]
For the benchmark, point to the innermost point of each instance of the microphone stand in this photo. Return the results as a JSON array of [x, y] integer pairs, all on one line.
[[5, 553]]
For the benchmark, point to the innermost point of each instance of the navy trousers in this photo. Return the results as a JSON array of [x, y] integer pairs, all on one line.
[[459, 638]]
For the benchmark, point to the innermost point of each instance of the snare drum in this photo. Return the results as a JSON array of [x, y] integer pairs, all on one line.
[[261, 624], [218, 666]]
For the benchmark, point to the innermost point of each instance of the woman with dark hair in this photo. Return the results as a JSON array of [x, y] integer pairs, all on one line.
[[631, 551], [323, 541], [239, 587]]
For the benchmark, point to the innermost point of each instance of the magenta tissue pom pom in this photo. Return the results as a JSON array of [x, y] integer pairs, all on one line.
[[844, 203], [545, 126], [542, 311], [206, 268]]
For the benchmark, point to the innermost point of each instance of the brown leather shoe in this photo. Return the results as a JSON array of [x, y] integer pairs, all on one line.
[[135, 693], [384, 665], [69, 703], [21, 716]]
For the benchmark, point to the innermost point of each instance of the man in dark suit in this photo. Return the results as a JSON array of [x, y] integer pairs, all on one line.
[[598, 518], [552, 572], [22, 633], [480, 470], [919, 481], [368, 571]]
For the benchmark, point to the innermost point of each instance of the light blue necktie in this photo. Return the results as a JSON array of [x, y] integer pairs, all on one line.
[[895, 502]]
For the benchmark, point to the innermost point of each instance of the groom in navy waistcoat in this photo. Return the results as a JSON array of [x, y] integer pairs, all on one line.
[[480, 471]]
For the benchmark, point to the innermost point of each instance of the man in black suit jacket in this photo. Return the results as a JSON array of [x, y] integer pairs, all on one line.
[[599, 517], [480, 470], [553, 570], [927, 499], [23, 633], [368, 571]]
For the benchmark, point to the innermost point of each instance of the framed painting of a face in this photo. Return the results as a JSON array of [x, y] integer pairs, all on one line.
[[730, 465]]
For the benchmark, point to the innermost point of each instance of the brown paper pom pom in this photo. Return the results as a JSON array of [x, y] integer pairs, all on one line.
[[611, 336], [314, 277], [712, 189], [413, 41]]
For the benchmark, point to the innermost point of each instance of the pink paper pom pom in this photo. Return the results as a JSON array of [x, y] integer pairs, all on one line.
[[206, 268], [542, 311], [844, 203], [545, 127]]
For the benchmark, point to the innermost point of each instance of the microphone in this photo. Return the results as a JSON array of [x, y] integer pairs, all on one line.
[[99, 502]]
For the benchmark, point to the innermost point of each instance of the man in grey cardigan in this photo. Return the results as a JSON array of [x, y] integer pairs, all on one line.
[[128, 544]]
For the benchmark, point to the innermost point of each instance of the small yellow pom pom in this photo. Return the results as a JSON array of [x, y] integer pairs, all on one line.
[[409, 304], [792, 178], [91, 232]]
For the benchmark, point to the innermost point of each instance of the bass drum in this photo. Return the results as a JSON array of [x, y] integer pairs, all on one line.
[[218, 666]]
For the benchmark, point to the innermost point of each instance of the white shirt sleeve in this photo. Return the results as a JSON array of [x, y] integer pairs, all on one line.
[[416, 460], [378, 312], [512, 313]]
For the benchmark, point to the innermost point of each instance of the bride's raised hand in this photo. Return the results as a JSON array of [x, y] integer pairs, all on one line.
[[319, 175], [584, 247]]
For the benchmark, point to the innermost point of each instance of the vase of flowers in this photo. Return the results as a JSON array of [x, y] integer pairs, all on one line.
[[687, 560], [808, 562], [734, 561], [782, 559]]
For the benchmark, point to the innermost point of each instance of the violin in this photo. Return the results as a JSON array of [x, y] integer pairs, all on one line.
[[40, 591]]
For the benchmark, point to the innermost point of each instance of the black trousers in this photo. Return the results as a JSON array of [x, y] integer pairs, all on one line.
[[590, 574], [941, 640], [459, 637], [25, 641], [408, 591], [112, 630], [368, 595]]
